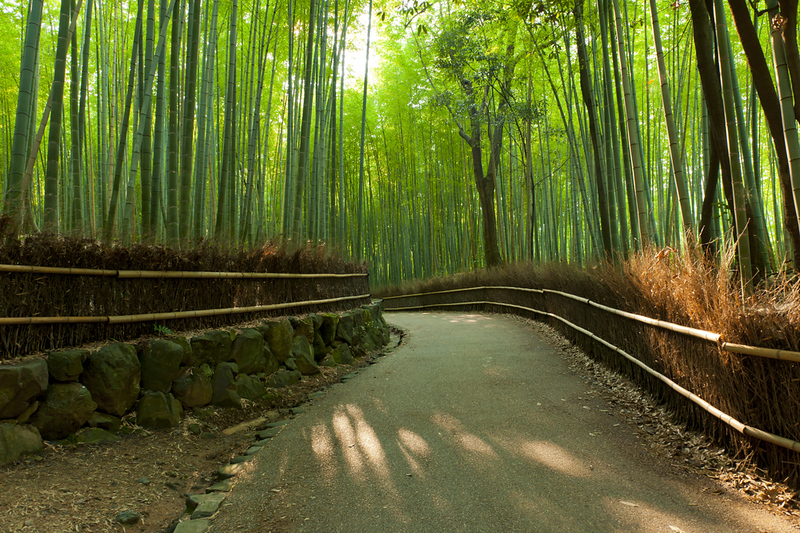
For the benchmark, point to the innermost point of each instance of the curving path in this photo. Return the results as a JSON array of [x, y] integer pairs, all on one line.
[[475, 424]]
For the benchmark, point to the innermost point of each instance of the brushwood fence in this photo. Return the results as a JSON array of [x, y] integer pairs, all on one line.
[[48, 308], [745, 397]]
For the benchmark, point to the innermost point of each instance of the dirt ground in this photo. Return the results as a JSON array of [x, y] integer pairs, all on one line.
[[84, 487]]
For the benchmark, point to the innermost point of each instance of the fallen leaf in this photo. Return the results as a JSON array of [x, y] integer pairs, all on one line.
[[629, 503], [676, 529]]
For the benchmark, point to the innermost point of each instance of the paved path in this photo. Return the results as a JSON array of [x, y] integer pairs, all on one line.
[[474, 425]]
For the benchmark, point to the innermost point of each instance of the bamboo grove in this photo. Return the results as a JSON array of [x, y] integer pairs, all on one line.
[[479, 133]]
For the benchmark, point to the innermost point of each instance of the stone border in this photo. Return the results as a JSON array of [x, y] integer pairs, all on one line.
[[76, 396]]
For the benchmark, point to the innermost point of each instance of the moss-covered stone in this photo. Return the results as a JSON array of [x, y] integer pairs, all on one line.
[[113, 375]]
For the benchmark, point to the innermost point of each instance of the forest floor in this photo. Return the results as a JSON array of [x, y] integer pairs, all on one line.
[[84, 487]]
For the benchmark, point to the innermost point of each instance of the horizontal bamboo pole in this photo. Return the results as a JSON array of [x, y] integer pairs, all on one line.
[[693, 332], [151, 317], [724, 417], [129, 274], [771, 353], [57, 270]]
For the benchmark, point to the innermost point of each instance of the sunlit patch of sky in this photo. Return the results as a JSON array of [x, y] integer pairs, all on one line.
[[356, 53]]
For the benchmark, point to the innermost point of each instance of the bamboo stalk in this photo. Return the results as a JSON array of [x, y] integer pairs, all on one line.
[[128, 274], [151, 317], [724, 417]]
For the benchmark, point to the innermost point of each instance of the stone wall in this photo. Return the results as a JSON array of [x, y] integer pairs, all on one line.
[[82, 395]]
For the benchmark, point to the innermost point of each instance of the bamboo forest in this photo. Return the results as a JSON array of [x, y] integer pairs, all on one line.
[[424, 138]]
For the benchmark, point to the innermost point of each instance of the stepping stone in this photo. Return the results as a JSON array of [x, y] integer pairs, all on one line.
[[193, 526], [298, 410], [268, 433], [241, 459], [316, 395], [252, 450], [228, 471], [222, 486], [279, 423], [206, 504]]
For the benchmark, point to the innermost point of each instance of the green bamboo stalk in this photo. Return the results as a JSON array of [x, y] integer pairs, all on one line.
[[740, 216], [23, 123]]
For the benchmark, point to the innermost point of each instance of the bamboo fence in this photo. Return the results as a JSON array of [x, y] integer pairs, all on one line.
[[45, 308]]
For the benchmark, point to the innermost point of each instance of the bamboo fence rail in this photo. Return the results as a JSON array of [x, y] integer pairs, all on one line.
[[706, 335], [159, 274], [155, 317]]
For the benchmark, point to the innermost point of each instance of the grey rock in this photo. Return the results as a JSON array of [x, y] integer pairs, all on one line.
[[345, 328], [193, 526], [250, 387], [342, 355], [224, 387], [271, 363], [66, 365], [113, 374], [212, 347], [320, 350], [193, 388], [304, 356], [268, 433], [279, 335], [23, 417], [278, 423], [290, 363], [204, 505], [186, 345], [252, 450], [223, 486], [66, 407], [328, 362], [127, 518], [19, 384], [158, 410], [160, 360], [229, 471], [17, 440], [248, 351], [327, 330], [284, 378], [104, 421], [92, 436], [304, 327], [241, 459]]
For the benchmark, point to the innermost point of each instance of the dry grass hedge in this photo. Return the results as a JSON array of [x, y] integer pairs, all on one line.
[[28, 295], [762, 393]]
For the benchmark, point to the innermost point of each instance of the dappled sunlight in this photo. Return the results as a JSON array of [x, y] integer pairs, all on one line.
[[466, 440], [368, 442], [346, 435], [547, 454], [322, 446], [460, 319], [638, 515], [412, 446], [413, 442]]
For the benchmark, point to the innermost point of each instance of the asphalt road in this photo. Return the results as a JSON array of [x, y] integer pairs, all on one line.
[[475, 424]]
